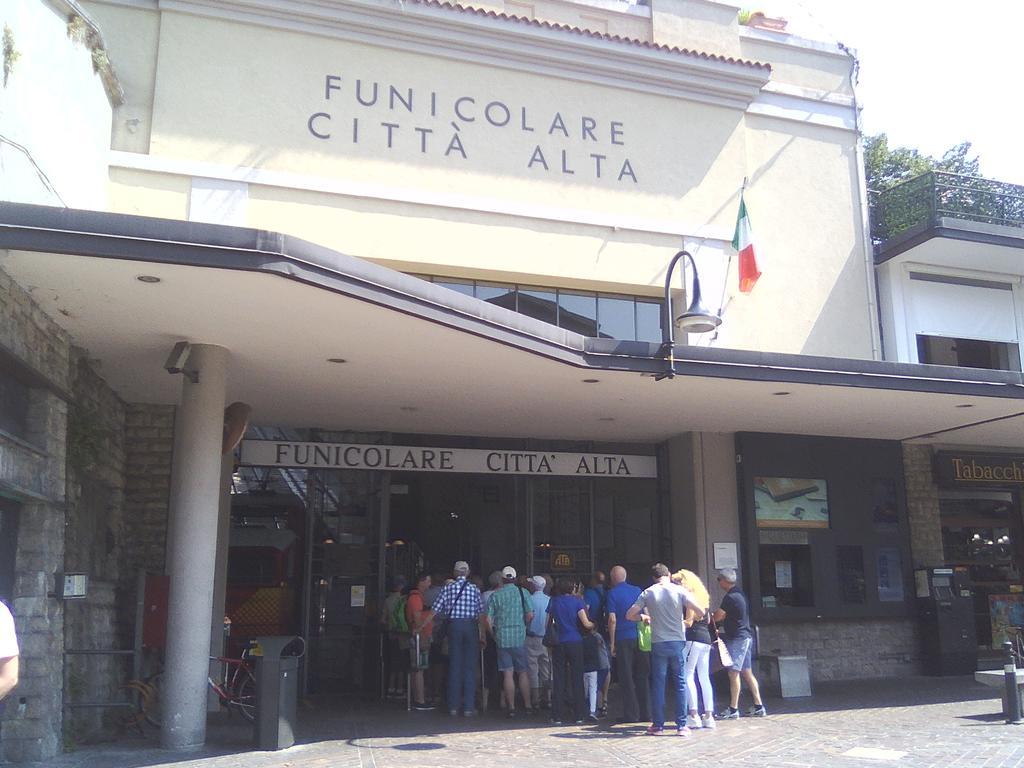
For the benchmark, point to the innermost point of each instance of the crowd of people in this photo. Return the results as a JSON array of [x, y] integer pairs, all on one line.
[[543, 644]]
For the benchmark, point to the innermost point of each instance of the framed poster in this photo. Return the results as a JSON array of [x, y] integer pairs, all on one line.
[[889, 572], [884, 512], [1005, 611], [788, 502]]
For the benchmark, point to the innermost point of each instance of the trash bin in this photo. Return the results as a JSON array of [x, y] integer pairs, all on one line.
[[277, 690]]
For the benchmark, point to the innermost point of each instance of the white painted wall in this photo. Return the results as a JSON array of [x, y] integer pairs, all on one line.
[[54, 113], [718, 517]]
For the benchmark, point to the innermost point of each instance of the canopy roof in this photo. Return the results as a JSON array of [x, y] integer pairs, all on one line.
[[422, 359]]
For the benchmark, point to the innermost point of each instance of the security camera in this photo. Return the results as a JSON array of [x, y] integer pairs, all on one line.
[[177, 360], [178, 357]]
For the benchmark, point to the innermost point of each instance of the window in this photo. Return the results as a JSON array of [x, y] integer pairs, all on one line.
[[14, 397], [460, 286], [648, 320], [539, 303], [608, 316], [968, 353], [616, 318], [852, 587], [499, 295], [961, 321], [578, 312], [786, 575]]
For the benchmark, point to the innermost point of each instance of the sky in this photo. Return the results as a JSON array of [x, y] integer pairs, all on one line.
[[932, 74]]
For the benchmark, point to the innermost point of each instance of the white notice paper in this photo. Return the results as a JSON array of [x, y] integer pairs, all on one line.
[[725, 554], [358, 596], [784, 574]]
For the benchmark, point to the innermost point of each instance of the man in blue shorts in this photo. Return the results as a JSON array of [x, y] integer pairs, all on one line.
[[733, 620], [509, 611]]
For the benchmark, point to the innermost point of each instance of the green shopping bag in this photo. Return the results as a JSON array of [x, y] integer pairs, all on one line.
[[643, 636]]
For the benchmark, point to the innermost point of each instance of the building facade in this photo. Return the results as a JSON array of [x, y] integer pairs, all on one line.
[[423, 247]]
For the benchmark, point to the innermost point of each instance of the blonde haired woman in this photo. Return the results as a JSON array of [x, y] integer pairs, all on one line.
[[698, 660]]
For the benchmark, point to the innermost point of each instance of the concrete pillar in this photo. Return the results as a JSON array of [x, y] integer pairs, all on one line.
[[195, 490], [220, 579]]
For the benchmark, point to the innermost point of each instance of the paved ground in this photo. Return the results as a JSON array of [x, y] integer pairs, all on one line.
[[941, 722]]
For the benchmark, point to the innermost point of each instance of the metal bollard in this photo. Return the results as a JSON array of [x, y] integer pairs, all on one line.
[[1013, 715]]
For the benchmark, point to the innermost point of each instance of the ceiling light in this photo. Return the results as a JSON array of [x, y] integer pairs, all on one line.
[[780, 394], [336, 360], [591, 381], [148, 279], [965, 405]]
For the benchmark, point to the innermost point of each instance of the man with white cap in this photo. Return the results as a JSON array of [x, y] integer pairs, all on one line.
[[508, 615], [536, 652], [460, 606]]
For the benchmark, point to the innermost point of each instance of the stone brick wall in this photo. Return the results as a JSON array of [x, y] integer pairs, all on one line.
[[68, 474], [33, 472], [149, 446], [840, 650], [922, 507], [94, 544], [31, 336]]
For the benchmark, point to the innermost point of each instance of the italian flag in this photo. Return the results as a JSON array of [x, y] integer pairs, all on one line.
[[743, 242]]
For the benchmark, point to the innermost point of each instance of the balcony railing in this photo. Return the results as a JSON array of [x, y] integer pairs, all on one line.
[[924, 200]]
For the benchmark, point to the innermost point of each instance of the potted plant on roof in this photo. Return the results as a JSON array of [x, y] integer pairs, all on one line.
[[759, 20]]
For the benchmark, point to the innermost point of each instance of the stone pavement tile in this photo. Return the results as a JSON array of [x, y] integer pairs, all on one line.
[[945, 723]]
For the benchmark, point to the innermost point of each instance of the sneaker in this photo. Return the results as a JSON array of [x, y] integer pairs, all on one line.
[[555, 721], [684, 732], [453, 712], [579, 722], [654, 731], [469, 713], [707, 720], [423, 707], [592, 719], [729, 714], [692, 721], [758, 711]]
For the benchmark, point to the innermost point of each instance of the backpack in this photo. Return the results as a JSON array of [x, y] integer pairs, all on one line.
[[397, 621]]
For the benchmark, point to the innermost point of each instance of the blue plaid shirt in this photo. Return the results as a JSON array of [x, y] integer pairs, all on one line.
[[469, 605]]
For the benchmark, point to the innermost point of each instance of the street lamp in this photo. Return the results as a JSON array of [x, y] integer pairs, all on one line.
[[696, 319]]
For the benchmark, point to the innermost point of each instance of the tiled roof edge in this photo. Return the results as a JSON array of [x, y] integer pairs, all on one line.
[[446, 5]]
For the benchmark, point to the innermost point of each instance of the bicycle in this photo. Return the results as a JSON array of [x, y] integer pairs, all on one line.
[[236, 689], [1016, 637]]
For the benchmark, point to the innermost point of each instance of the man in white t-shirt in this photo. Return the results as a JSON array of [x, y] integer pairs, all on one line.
[[8, 653], [666, 604]]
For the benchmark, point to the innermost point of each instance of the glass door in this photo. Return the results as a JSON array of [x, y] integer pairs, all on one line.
[[981, 531], [343, 581], [561, 515]]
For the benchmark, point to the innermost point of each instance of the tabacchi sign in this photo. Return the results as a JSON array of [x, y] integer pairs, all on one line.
[[400, 458], [976, 468], [432, 122]]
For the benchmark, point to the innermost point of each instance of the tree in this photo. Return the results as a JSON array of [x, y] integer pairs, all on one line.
[[886, 167]]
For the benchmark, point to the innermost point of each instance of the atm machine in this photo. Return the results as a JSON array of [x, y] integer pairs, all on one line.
[[946, 609]]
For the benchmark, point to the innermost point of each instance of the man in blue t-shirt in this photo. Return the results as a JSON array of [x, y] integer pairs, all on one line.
[[632, 665]]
